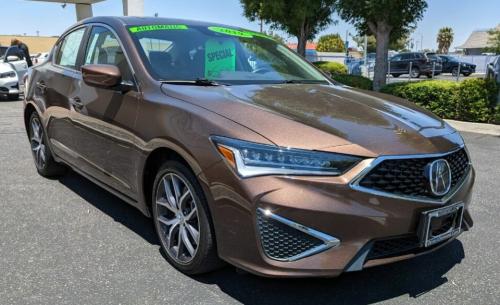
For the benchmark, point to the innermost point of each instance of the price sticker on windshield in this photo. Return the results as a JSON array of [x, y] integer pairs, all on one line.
[[220, 56]]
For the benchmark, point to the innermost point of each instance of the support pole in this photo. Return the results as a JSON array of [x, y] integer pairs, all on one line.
[[133, 8], [83, 11]]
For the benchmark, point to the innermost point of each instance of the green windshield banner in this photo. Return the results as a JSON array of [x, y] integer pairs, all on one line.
[[220, 56], [232, 32], [157, 27]]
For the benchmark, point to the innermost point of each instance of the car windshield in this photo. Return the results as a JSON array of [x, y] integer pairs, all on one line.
[[176, 52]]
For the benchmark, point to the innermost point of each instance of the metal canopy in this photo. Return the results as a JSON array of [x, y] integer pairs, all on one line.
[[71, 1]]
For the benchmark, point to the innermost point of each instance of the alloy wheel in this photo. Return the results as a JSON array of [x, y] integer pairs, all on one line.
[[177, 218], [38, 146], [414, 73]]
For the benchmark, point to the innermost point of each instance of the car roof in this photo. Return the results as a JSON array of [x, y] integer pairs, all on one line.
[[139, 21]]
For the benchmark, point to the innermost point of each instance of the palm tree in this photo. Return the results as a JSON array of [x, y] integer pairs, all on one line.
[[444, 40]]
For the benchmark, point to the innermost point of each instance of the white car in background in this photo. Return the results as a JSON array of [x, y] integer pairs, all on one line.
[[40, 58], [9, 82]]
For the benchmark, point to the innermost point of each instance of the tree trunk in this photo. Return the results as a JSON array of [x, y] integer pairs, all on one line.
[[302, 41], [382, 34]]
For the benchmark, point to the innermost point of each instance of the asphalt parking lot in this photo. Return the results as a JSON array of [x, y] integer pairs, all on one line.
[[69, 242]]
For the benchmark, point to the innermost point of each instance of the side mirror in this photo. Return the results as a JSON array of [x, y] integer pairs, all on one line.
[[102, 76], [12, 58]]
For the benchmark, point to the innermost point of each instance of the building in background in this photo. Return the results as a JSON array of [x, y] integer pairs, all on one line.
[[476, 43]]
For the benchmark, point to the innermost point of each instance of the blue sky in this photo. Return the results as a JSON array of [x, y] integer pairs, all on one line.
[[22, 16]]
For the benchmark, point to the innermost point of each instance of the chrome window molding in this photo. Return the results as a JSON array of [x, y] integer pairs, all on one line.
[[328, 241], [354, 184]]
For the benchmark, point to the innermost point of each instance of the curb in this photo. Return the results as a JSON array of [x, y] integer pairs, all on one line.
[[482, 128]]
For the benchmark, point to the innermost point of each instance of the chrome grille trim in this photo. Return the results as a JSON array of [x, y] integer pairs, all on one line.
[[354, 184]]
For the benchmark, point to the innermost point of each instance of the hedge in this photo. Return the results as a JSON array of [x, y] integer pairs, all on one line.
[[356, 81], [331, 67], [473, 100], [338, 72]]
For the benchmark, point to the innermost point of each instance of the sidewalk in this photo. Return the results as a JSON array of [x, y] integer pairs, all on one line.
[[488, 129]]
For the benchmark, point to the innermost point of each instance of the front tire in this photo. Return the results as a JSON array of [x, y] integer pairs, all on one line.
[[415, 73], [182, 220], [42, 156]]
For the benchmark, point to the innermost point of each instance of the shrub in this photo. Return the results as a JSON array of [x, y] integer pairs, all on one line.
[[331, 67], [354, 81], [471, 100], [330, 43]]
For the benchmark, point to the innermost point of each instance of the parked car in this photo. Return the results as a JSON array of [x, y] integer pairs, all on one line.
[[311, 55], [493, 69], [3, 50], [420, 64], [40, 58], [272, 168], [452, 65], [9, 82], [15, 58]]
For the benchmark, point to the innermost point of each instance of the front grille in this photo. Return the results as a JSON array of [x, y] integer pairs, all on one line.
[[406, 177], [282, 242]]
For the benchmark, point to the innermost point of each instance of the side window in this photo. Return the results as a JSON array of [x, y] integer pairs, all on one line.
[[104, 48], [68, 49], [405, 56], [396, 58]]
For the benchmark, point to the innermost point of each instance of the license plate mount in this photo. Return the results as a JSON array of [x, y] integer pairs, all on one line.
[[440, 224]]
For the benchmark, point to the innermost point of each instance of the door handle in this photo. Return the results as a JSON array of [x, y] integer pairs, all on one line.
[[41, 86], [76, 102]]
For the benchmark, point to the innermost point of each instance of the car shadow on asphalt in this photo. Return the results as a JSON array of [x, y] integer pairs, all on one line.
[[111, 205], [413, 277]]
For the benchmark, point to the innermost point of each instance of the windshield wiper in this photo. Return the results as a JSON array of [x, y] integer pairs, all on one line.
[[303, 81], [196, 82]]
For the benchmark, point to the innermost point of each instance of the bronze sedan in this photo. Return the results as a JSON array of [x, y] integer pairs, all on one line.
[[243, 152]]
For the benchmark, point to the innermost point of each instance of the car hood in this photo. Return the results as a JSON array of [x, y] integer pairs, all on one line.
[[326, 117], [5, 67]]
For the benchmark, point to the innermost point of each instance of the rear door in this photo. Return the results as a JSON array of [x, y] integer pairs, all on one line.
[[104, 119], [54, 83]]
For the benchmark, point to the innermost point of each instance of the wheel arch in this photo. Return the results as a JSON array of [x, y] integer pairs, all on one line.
[[28, 111]]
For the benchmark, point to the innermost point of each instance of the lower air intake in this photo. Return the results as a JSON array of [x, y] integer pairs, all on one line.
[[282, 240]]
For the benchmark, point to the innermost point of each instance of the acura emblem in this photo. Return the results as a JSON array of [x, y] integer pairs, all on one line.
[[439, 175]]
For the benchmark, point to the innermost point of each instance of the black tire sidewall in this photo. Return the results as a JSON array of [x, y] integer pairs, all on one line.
[[51, 167], [206, 254]]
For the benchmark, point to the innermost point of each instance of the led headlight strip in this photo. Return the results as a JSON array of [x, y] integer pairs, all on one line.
[[253, 159]]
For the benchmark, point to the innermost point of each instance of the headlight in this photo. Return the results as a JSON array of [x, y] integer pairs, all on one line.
[[252, 159], [8, 74]]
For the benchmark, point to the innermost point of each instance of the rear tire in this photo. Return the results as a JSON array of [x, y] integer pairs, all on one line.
[[395, 75], [467, 74], [454, 72], [182, 220], [42, 156]]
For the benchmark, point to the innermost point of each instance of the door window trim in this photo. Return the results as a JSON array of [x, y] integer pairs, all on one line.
[[87, 41], [78, 63]]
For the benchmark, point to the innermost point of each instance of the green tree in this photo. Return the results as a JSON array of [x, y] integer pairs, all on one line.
[[494, 41], [330, 43], [303, 19], [387, 20], [444, 40]]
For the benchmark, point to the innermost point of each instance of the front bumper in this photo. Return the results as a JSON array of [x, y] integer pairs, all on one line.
[[9, 86], [325, 204]]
